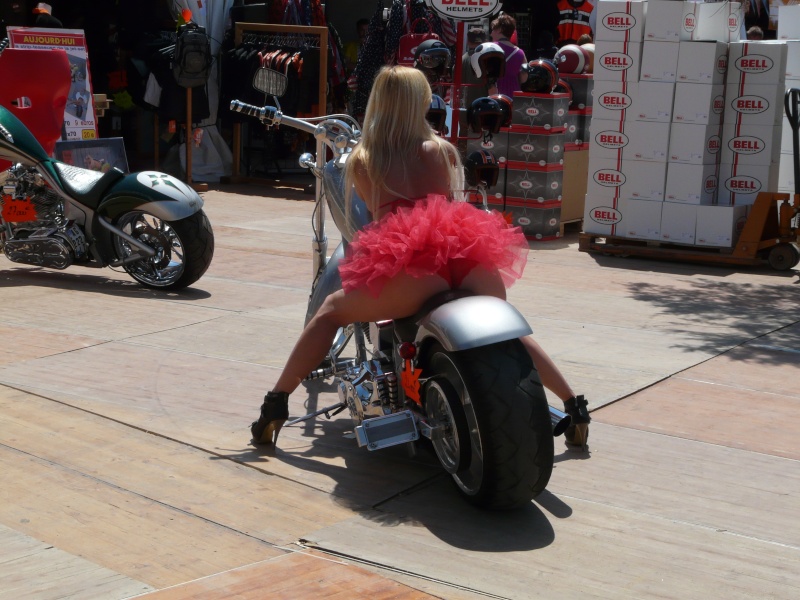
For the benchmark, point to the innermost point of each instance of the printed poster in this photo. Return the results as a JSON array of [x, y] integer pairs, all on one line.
[[79, 117]]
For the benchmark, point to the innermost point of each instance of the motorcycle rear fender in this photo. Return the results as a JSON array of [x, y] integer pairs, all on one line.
[[472, 322], [158, 194]]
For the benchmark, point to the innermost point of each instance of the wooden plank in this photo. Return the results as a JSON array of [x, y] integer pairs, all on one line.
[[738, 418], [34, 570], [296, 576]]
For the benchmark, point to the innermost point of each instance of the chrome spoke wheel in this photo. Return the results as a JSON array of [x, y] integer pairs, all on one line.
[[167, 265]]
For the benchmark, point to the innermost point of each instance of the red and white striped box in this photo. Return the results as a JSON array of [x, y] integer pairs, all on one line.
[[617, 61], [750, 144], [620, 21], [629, 140], [747, 104], [678, 222], [702, 62], [757, 63], [741, 184], [659, 61], [698, 103], [719, 226], [637, 179], [664, 21]]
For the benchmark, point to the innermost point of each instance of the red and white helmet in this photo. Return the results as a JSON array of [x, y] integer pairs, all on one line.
[[572, 58]]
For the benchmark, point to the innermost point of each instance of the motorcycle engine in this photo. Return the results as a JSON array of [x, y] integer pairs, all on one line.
[[369, 390], [35, 230]]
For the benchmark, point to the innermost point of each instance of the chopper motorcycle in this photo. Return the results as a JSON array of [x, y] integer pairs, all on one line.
[[55, 215], [455, 375]]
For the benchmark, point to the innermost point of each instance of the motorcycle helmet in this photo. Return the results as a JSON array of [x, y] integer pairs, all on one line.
[[507, 106], [488, 62], [589, 51], [541, 76], [564, 87], [481, 166], [433, 58], [437, 114], [572, 58], [485, 115]]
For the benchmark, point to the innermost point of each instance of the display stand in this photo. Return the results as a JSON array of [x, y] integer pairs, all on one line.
[[241, 29]]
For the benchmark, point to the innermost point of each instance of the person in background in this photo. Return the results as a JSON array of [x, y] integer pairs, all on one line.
[[45, 18], [546, 47], [502, 28], [575, 19], [584, 39], [351, 49], [755, 33]]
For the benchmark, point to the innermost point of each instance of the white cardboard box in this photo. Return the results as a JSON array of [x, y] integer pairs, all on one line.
[[786, 180], [642, 219], [629, 140], [754, 104], [719, 226], [617, 61], [652, 101], [694, 143], [612, 99], [619, 21], [750, 144], [691, 184], [664, 21], [637, 179], [741, 184], [789, 22], [601, 215], [698, 103], [702, 62], [678, 222], [720, 21], [761, 63], [793, 61], [659, 61]]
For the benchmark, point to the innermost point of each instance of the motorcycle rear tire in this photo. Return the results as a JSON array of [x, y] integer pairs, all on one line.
[[504, 458], [195, 237]]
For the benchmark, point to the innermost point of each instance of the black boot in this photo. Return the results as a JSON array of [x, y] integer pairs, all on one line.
[[577, 434], [274, 413]]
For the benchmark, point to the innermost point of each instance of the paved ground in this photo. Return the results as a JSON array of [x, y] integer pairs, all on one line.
[[126, 468]]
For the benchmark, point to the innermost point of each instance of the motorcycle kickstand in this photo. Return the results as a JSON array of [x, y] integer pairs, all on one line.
[[328, 411]]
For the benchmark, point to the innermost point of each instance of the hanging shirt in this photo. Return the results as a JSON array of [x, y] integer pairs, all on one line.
[[573, 21]]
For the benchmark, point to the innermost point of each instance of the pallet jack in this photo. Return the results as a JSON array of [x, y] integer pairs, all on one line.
[[768, 233]]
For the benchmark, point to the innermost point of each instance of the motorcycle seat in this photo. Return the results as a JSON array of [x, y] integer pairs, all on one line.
[[85, 185], [406, 327]]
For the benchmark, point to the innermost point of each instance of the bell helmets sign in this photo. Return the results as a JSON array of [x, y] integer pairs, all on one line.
[[465, 10]]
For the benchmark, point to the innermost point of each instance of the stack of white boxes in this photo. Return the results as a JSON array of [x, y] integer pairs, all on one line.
[[789, 31], [657, 136]]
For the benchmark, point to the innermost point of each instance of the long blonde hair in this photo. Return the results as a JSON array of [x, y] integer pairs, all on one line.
[[394, 127]]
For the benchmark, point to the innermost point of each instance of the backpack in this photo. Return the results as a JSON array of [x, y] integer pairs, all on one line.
[[191, 63]]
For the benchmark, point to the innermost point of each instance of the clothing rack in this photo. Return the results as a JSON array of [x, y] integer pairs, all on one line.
[[299, 35]]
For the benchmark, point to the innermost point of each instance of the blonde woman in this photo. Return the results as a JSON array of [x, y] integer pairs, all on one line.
[[421, 241]]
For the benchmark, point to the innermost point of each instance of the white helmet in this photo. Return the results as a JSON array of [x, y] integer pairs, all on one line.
[[488, 61]]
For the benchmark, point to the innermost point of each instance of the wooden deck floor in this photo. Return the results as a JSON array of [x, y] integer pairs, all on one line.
[[126, 468]]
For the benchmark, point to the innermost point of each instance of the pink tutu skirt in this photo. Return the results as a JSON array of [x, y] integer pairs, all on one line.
[[433, 237]]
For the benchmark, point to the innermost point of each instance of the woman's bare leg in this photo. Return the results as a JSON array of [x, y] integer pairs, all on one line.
[[403, 295]]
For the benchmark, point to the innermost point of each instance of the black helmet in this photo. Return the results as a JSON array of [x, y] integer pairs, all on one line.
[[433, 58], [485, 115], [507, 106], [437, 114], [481, 166], [542, 76], [488, 62]]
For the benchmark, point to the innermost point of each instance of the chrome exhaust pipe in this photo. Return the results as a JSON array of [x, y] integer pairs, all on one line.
[[559, 420]]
